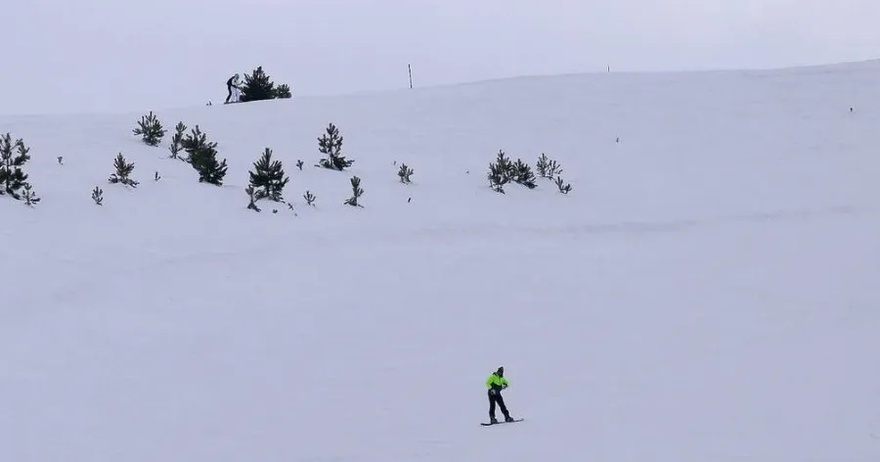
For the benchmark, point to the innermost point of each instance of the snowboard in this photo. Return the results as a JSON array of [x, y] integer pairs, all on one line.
[[488, 424]]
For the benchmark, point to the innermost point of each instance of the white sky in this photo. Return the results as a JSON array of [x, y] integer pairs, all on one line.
[[115, 55]]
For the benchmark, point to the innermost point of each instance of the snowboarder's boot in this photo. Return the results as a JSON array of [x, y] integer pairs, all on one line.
[[493, 420], [508, 419]]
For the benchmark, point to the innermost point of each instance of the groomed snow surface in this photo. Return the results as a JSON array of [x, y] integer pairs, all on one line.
[[707, 292]]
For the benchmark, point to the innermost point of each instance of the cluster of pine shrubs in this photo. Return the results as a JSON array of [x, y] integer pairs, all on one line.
[[267, 179], [193, 148], [200, 152], [503, 171]]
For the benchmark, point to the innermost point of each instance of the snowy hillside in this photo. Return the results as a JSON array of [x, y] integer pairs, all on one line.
[[707, 291]]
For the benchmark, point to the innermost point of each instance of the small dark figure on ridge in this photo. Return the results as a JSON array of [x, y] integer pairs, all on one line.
[[233, 82]]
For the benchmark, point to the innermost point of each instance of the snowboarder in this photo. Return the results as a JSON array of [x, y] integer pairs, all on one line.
[[233, 82], [497, 382]]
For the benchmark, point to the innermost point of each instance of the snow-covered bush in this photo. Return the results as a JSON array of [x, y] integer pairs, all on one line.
[[194, 141], [252, 205], [503, 171], [150, 128], [177, 140], [13, 157], [357, 192], [563, 188], [202, 155], [310, 198], [282, 91], [204, 160], [521, 173], [98, 195], [404, 173], [123, 172], [268, 178], [547, 168], [499, 172], [30, 198], [331, 144]]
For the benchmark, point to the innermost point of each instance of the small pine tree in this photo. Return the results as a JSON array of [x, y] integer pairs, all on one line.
[[196, 140], [202, 155], [283, 91], [204, 160], [357, 192], [310, 198], [268, 177], [542, 165], [151, 129], [30, 198], [177, 140], [123, 172], [331, 145], [257, 86], [98, 195], [555, 169], [547, 168], [503, 171], [505, 165], [499, 172], [521, 173], [13, 156], [252, 205], [497, 178], [563, 188], [404, 173], [299, 164]]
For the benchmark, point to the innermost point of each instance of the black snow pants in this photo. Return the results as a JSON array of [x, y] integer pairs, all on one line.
[[229, 90], [496, 398]]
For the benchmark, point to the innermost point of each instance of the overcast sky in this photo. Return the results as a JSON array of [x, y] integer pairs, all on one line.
[[120, 55]]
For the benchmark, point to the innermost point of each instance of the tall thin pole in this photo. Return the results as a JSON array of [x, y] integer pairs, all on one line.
[[409, 67]]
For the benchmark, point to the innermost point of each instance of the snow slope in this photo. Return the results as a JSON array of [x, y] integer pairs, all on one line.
[[707, 292]]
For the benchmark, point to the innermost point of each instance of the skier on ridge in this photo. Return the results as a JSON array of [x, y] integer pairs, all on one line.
[[233, 82], [497, 382]]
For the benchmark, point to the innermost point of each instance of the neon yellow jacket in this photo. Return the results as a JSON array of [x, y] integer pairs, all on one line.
[[496, 381]]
